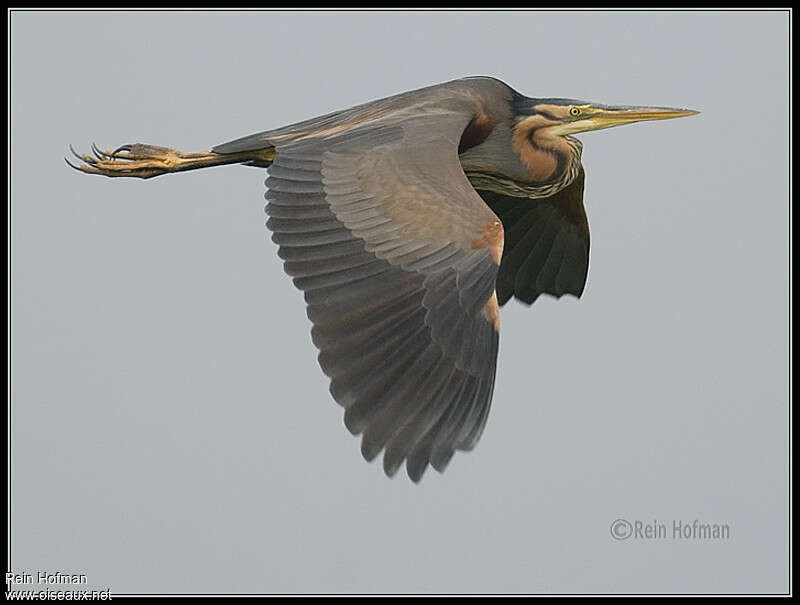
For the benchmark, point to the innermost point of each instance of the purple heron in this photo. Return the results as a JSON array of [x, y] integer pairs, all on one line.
[[407, 222]]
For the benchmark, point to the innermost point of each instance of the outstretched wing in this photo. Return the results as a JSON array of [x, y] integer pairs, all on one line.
[[397, 256], [546, 243]]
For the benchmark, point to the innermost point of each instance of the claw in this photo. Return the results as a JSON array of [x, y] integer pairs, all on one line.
[[82, 156], [85, 168], [126, 148], [103, 156]]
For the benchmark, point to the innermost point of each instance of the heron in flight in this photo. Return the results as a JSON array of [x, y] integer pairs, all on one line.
[[407, 222]]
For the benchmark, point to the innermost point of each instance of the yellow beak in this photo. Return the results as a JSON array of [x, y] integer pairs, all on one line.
[[606, 117]]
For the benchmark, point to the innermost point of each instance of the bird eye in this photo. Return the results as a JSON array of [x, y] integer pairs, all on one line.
[[574, 112]]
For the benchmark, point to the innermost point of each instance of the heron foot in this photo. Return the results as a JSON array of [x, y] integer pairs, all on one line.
[[146, 161]]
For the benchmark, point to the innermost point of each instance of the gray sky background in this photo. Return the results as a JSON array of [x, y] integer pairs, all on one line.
[[172, 431]]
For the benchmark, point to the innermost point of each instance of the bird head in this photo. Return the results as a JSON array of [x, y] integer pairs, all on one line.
[[543, 128], [563, 117]]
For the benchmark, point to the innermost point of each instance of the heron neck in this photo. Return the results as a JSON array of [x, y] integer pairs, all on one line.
[[493, 166]]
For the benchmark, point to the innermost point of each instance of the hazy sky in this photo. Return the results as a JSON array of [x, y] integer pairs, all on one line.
[[172, 431]]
